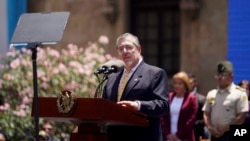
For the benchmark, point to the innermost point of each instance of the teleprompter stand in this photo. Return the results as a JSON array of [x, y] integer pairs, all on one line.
[[35, 30]]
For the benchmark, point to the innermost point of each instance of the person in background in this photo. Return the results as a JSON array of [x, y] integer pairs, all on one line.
[[49, 127], [226, 105], [145, 90], [43, 136], [199, 123], [178, 124], [246, 85], [3, 136]]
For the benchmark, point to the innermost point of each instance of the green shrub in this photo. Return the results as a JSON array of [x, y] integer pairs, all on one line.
[[69, 68]]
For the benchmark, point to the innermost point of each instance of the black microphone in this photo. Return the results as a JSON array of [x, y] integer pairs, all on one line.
[[117, 66], [104, 67]]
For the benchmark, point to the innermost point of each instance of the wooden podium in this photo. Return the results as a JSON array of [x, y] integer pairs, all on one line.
[[92, 115]]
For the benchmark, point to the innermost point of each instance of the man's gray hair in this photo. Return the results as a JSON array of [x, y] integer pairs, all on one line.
[[130, 37]]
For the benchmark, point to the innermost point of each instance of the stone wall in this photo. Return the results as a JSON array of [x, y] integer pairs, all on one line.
[[203, 40], [87, 20]]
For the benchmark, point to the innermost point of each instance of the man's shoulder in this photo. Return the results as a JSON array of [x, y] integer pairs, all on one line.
[[238, 88], [237, 91], [151, 67], [144, 64], [212, 92], [200, 96]]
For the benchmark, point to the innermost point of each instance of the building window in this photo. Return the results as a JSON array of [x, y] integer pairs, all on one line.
[[157, 24]]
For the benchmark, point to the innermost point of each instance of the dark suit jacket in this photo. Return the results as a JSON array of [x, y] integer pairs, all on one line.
[[199, 124], [148, 84], [187, 118]]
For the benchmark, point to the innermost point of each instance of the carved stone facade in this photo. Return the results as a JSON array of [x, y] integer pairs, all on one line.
[[203, 40]]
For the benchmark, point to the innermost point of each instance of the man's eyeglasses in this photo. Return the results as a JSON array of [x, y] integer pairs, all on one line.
[[127, 47]]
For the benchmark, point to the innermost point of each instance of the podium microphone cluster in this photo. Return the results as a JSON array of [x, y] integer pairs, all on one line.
[[109, 67]]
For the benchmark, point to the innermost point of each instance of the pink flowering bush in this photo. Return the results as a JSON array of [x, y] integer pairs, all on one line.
[[70, 68]]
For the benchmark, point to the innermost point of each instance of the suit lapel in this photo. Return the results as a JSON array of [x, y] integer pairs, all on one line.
[[133, 81]]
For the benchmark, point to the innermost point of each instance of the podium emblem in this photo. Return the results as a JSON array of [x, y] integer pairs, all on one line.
[[66, 102]]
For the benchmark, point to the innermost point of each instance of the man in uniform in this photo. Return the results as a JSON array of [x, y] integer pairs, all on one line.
[[227, 105]]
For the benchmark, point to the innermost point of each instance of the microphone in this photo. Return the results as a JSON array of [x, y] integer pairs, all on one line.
[[117, 66], [104, 67]]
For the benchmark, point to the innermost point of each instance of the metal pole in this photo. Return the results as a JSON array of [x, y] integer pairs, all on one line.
[[35, 99]]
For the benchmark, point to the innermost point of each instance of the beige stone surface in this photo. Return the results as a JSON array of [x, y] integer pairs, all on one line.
[[203, 40]]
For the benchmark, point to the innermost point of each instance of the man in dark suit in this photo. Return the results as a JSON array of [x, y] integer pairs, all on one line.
[[146, 91], [199, 124]]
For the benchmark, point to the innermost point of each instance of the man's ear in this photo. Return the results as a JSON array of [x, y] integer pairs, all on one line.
[[139, 48]]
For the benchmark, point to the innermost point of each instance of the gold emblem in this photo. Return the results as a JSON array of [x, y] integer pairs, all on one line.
[[66, 102], [211, 100], [244, 97]]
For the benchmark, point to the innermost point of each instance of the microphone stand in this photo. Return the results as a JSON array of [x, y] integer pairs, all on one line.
[[114, 67], [99, 89]]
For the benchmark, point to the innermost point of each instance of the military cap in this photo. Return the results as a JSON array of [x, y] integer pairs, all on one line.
[[225, 66]]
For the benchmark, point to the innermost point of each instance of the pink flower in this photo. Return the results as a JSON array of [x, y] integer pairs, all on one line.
[[104, 40], [40, 54], [25, 62], [26, 100], [11, 54], [20, 113], [5, 107], [71, 86], [44, 85], [40, 73], [8, 76], [61, 66], [53, 53], [15, 63], [55, 71], [73, 49], [75, 64]]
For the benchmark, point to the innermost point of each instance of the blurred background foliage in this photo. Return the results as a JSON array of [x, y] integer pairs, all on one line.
[[69, 68]]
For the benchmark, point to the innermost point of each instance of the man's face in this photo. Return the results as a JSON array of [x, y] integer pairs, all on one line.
[[49, 129], [224, 79], [193, 83], [128, 52]]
